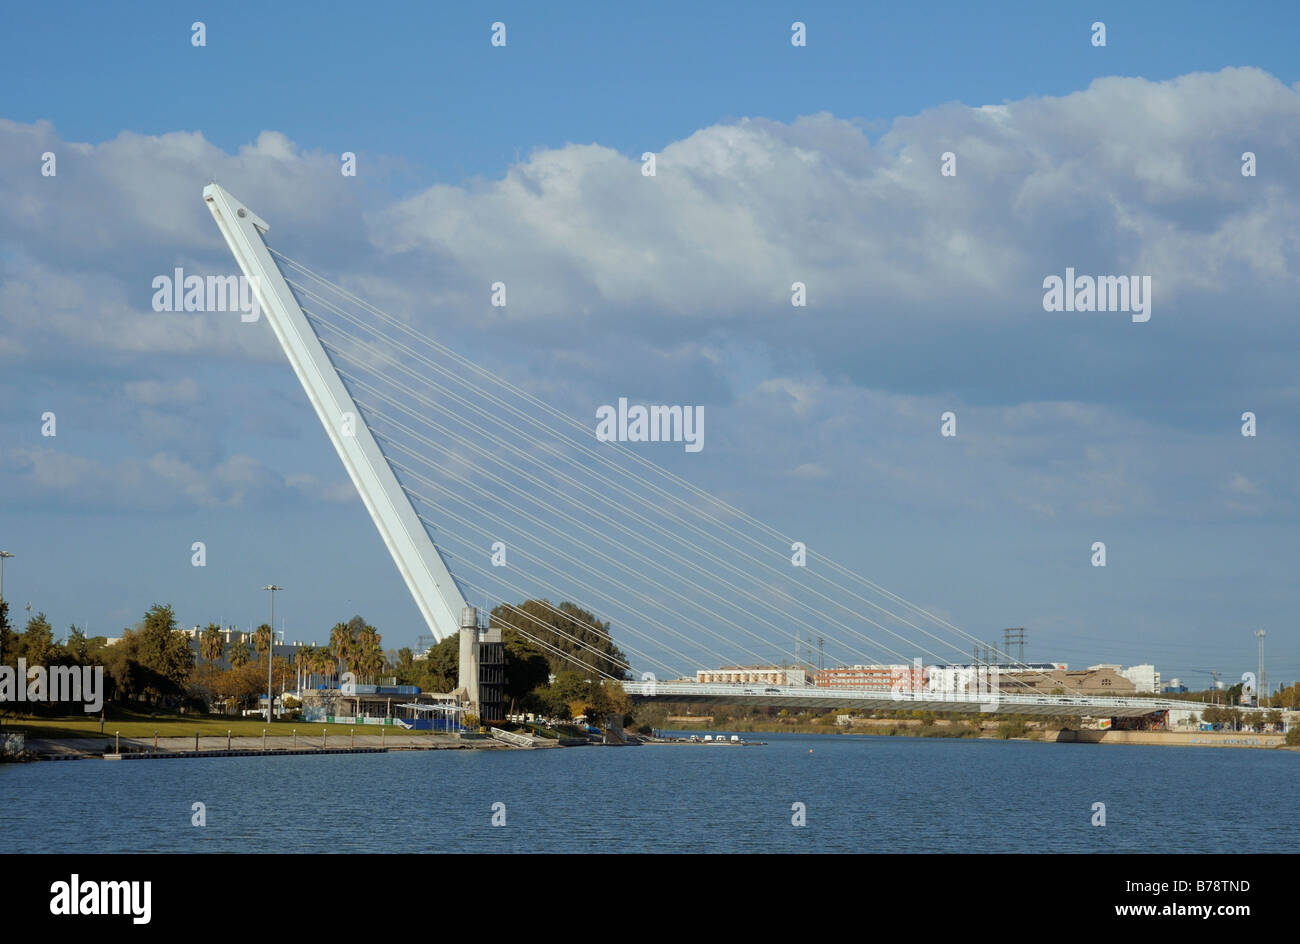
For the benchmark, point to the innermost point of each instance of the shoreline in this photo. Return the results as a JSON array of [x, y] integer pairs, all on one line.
[[899, 728], [171, 748], [175, 748]]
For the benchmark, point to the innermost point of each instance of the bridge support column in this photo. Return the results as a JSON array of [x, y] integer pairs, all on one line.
[[468, 674]]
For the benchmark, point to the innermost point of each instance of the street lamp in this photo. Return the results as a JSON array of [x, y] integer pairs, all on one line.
[[1259, 680], [3, 555], [270, 651]]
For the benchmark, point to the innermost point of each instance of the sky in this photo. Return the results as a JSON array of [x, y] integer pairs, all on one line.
[[775, 164]]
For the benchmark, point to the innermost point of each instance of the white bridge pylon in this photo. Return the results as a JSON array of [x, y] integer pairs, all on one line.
[[421, 565]]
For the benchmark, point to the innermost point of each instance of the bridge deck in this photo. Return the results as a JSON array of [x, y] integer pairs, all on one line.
[[794, 696]]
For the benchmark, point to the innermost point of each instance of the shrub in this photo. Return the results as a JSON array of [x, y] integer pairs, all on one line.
[[1012, 729]]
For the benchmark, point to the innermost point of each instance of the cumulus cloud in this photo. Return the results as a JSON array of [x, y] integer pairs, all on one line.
[[1128, 175], [924, 292]]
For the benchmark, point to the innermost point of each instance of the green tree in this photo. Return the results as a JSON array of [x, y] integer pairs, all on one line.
[[405, 667], [153, 661], [306, 660], [239, 654], [212, 645], [342, 644], [527, 669], [323, 663], [566, 628], [442, 666], [38, 641], [607, 698], [6, 632], [262, 638], [369, 653], [162, 647], [77, 646], [569, 686]]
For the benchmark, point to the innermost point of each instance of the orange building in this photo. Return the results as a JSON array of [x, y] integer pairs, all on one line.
[[873, 677]]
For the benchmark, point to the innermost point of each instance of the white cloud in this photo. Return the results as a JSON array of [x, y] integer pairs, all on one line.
[[924, 292]]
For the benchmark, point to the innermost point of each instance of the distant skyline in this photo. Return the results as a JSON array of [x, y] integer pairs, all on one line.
[[775, 164]]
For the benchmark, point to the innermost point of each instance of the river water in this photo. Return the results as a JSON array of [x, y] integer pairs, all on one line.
[[859, 794]]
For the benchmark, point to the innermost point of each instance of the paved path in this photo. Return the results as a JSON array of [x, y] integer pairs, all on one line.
[[81, 747]]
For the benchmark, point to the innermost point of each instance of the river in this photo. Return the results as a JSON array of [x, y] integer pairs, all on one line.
[[859, 794]]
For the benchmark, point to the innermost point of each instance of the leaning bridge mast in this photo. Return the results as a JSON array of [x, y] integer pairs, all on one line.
[[417, 558]]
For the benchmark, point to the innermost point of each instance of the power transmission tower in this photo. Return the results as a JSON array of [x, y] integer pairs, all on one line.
[[1016, 636]]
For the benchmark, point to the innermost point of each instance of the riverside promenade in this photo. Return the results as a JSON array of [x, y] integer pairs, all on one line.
[[112, 748]]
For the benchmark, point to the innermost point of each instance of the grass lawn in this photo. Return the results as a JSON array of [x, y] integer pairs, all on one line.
[[141, 725]]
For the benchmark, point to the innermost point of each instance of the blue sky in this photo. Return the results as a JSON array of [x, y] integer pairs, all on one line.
[[1079, 429], [413, 82]]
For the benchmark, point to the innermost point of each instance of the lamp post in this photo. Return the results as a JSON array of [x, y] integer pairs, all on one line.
[[270, 652], [1259, 680], [3, 556]]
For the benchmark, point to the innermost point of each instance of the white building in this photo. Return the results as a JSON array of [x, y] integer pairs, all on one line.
[[1145, 678]]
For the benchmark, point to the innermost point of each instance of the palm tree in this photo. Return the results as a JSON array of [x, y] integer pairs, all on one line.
[[211, 644], [370, 653], [239, 654], [316, 661], [342, 644], [310, 660], [262, 639]]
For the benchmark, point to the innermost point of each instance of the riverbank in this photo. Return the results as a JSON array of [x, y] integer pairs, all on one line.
[[190, 747], [140, 725], [1175, 738], [994, 730]]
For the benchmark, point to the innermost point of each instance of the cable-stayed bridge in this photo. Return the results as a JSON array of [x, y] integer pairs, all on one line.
[[487, 496]]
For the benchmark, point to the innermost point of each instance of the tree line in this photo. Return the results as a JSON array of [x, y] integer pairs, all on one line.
[[154, 664]]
